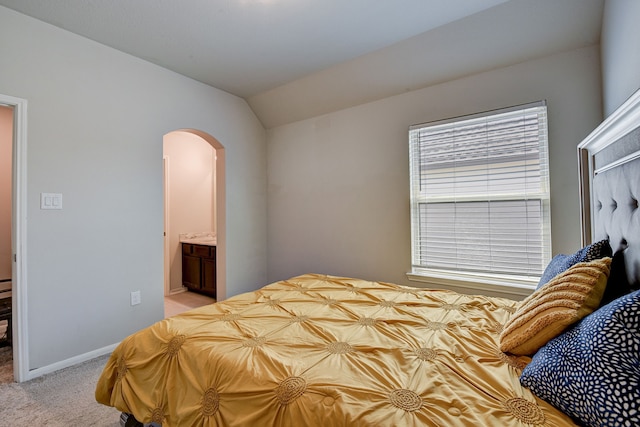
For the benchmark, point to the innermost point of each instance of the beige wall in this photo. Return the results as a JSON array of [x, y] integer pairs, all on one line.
[[6, 145], [191, 171], [620, 53], [339, 183]]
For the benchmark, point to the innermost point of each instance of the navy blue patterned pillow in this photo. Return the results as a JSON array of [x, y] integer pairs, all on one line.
[[563, 262], [592, 371]]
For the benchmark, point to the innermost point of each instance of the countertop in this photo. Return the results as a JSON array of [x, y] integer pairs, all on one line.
[[204, 238]]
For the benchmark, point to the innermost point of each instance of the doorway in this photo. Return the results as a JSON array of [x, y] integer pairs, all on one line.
[[14, 139], [6, 177], [194, 204]]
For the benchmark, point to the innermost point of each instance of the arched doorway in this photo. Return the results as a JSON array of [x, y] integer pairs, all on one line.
[[195, 159]]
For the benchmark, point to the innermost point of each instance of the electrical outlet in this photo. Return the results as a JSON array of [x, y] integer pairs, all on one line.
[[135, 298]]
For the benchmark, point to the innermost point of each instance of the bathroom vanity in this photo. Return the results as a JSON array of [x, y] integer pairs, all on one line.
[[199, 265]]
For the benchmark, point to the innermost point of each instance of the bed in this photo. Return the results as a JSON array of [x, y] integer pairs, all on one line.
[[319, 350]]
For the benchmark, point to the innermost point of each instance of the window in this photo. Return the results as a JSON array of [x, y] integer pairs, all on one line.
[[480, 195]]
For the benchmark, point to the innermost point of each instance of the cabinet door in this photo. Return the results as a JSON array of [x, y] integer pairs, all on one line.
[[191, 272], [209, 276]]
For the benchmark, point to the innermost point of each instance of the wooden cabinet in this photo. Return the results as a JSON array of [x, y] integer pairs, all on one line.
[[199, 268]]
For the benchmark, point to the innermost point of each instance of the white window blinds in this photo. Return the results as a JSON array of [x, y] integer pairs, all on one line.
[[480, 193]]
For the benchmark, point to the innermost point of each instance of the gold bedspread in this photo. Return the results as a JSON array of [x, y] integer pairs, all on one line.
[[327, 351]]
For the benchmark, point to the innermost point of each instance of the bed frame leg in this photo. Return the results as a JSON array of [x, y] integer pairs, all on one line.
[[128, 420]]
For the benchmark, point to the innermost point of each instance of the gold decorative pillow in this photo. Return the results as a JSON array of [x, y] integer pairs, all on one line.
[[565, 299]]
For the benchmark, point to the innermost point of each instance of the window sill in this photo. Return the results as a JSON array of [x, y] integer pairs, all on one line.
[[512, 287]]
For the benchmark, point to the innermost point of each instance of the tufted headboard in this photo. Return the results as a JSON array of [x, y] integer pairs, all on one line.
[[610, 184]]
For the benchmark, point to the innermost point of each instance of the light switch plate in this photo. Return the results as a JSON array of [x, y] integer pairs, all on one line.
[[50, 200], [135, 298]]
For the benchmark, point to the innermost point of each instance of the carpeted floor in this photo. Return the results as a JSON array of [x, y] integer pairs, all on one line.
[[61, 399]]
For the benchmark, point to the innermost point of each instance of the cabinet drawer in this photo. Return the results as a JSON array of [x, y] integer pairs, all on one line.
[[201, 251]]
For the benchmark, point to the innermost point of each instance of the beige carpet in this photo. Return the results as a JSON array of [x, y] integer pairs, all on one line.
[[61, 399]]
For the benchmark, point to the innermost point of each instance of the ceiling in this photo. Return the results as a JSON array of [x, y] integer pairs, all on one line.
[[294, 59]]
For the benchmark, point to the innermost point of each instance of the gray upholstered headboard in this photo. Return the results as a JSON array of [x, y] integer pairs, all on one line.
[[610, 184]]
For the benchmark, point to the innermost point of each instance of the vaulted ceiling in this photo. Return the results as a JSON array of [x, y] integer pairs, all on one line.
[[294, 59]]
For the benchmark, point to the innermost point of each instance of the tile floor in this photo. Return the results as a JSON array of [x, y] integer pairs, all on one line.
[[178, 303]]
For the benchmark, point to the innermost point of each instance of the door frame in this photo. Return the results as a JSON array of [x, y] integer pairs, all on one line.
[[166, 233], [19, 238]]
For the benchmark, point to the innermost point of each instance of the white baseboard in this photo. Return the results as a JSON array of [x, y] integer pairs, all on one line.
[[38, 372], [177, 291]]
